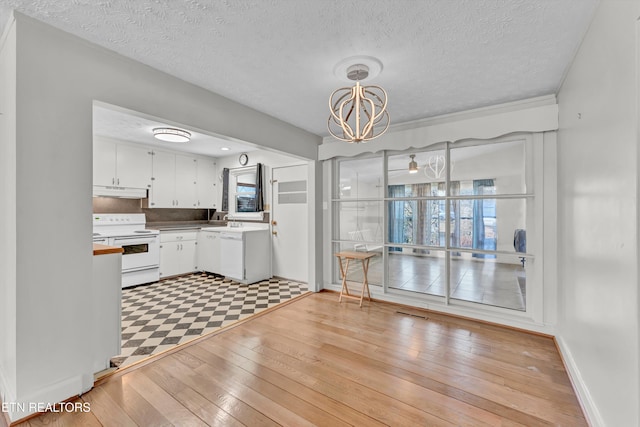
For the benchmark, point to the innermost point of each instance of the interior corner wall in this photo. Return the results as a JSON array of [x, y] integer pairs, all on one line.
[[598, 312], [58, 78], [8, 214]]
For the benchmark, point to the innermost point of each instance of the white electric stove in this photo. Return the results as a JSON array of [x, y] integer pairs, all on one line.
[[141, 257]]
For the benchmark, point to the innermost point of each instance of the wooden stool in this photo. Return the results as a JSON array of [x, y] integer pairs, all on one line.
[[364, 257]]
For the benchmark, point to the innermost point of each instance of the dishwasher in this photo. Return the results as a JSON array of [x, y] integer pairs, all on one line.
[[232, 255]]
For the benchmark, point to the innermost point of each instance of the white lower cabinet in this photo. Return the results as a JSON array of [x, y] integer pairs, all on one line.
[[178, 252], [209, 251], [240, 254]]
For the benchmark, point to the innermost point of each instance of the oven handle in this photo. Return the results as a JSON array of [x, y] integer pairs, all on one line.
[[143, 239]]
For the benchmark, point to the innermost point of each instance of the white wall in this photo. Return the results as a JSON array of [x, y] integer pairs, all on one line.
[[8, 214], [51, 177], [598, 217]]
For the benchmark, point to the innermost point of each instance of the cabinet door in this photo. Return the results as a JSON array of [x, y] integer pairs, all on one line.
[[163, 185], [188, 253], [133, 166], [207, 184], [185, 179], [209, 251], [104, 163], [170, 259]]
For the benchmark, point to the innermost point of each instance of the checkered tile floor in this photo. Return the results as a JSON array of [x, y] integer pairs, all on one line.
[[161, 315]]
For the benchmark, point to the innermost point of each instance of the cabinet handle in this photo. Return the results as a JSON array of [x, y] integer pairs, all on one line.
[[118, 181], [113, 181]]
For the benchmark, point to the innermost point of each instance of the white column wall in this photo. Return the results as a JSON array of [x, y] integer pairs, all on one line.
[[598, 217], [59, 76], [8, 214]]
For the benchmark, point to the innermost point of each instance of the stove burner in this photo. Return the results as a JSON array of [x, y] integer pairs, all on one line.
[[142, 231], [96, 234]]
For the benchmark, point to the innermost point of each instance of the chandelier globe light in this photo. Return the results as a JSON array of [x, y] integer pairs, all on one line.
[[358, 113]]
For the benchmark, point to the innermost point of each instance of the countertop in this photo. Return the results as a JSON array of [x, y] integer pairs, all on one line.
[[184, 225], [99, 249]]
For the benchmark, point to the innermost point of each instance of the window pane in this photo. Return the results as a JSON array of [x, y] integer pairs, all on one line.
[[488, 224], [360, 179], [360, 221], [499, 282], [427, 181], [417, 270], [417, 222], [489, 169]]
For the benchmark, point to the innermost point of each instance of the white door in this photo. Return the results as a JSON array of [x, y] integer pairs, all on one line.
[[289, 223]]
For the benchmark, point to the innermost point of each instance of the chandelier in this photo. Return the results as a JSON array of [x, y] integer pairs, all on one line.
[[436, 166], [358, 113]]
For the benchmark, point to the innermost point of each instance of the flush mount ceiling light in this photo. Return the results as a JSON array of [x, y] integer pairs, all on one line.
[[413, 166], [358, 113], [171, 135]]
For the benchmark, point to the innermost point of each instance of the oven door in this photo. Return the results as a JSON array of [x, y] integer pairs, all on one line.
[[140, 252]]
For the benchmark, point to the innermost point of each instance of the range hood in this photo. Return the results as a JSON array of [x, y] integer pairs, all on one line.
[[119, 192]]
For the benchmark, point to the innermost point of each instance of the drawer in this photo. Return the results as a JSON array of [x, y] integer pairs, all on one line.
[[178, 236]]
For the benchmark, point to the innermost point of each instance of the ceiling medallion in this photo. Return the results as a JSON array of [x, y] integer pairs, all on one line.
[[358, 113]]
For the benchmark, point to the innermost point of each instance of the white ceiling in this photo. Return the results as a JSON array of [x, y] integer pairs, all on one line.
[[278, 56], [116, 123]]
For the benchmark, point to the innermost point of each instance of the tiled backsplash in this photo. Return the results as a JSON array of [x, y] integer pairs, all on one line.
[[115, 205], [157, 215]]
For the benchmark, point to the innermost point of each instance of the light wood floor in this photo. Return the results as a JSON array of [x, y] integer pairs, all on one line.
[[318, 362]]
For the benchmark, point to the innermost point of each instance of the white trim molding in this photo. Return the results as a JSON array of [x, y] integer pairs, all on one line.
[[594, 418], [535, 115]]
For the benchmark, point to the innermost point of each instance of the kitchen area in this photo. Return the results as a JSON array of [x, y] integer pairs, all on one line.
[[195, 234]]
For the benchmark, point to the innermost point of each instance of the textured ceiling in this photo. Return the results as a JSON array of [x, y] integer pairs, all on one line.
[[278, 56]]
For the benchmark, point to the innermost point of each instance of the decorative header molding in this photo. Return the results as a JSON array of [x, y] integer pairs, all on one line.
[[497, 121]]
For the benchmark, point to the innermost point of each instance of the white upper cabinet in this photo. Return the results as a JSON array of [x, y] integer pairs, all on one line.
[[186, 175], [207, 184], [121, 165], [174, 181], [133, 166], [163, 184]]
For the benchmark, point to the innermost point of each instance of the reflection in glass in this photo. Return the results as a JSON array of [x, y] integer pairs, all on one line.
[[360, 221], [487, 224], [502, 163], [417, 222], [424, 272], [498, 282], [360, 179]]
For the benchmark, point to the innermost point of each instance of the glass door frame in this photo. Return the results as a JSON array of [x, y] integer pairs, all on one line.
[[534, 217]]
